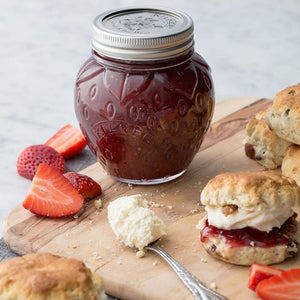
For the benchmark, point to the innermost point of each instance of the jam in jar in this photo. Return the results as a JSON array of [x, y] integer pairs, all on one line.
[[144, 99]]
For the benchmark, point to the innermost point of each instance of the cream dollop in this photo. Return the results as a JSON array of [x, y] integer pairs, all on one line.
[[261, 220], [133, 222]]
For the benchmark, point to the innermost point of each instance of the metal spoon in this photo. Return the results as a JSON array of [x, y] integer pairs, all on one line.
[[198, 289]]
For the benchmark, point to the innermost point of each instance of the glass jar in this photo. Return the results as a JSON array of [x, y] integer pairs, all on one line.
[[144, 99]]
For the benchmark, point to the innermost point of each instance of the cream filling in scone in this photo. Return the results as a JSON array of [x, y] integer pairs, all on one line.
[[239, 218], [133, 222]]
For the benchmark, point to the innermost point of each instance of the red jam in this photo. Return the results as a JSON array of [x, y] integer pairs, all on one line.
[[145, 99], [144, 120], [248, 235]]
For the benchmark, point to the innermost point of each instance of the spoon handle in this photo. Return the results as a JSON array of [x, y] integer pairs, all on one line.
[[197, 288]]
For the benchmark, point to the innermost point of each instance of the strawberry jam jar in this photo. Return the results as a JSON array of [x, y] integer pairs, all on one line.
[[144, 99]]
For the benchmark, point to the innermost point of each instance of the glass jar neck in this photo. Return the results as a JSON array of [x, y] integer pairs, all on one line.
[[143, 65]]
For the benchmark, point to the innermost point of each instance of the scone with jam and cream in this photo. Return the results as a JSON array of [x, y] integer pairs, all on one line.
[[133, 222], [250, 217]]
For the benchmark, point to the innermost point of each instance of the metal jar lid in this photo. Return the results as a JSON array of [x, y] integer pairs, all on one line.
[[141, 34]]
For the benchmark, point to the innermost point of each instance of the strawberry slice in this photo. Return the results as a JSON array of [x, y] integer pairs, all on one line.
[[285, 286], [84, 184], [30, 158], [52, 195], [260, 272], [68, 141]]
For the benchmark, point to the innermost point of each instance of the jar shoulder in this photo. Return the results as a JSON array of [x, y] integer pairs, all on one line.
[[194, 64]]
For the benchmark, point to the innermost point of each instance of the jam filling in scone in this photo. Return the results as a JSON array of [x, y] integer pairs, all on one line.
[[249, 236]]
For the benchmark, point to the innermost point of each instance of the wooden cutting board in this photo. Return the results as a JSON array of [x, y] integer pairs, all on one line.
[[88, 236]]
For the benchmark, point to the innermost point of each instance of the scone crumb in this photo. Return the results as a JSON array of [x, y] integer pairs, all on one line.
[[97, 256], [213, 286], [98, 203], [140, 253], [252, 244], [154, 263], [170, 207], [154, 204], [203, 260]]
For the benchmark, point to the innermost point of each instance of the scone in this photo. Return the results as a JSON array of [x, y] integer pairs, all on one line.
[[43, 276], [291, 163], [284, 116], [264, 145], [250, 217]]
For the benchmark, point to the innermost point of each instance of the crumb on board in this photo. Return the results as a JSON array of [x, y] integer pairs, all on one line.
[[98, 203], [154, 204], [140, 253], [97, 256], [213, 286], [203, 260]]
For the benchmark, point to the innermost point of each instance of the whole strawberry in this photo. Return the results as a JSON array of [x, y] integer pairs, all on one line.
[[84, 184], [31, 157]]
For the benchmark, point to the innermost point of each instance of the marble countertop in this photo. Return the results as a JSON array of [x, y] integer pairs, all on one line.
[[251, 46]]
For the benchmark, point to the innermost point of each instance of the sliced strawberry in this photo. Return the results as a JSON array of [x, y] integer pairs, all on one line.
[[30, 158], [84, 184], [68, 141], [285, 286], [260, 272], [52, 195]]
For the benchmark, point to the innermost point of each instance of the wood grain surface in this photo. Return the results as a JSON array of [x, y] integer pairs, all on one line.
[[88, 236]]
